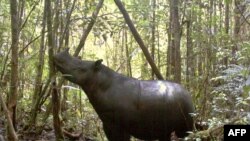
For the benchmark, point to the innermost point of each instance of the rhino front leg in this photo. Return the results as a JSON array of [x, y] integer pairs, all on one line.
[[115, 133]]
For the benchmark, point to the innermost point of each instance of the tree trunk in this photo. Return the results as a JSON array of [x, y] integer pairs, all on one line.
[[55, 95], [153, 35], [37, 95], [190, 61], [175, 31], [237, 13], [128, 56], [199, 45], [169, 51], [56, 106], [65, 38], [12, 98], [227, 10]]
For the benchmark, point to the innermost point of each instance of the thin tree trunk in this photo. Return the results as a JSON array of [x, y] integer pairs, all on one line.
[[169, 50], [158, 48], [227, 17], [21, 8], [56, 23], [237, 24], [55, 95], [225, 59], [121, 53], [153, 35], [56, 111], [12, 98], [190, 61], [175, 40], [200, 57], [37, 96], [128, 57], [4, 68], [213, 36], [65, 37], [66, 29]]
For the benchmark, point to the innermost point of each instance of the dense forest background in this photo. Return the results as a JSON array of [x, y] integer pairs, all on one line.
[[202, 44]]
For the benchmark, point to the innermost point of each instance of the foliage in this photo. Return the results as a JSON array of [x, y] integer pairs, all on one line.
[[228, 100]]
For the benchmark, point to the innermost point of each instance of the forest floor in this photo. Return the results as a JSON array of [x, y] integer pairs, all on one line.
[[46, 135]]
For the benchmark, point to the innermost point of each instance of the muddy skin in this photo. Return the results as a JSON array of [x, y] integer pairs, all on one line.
[[148, 110]]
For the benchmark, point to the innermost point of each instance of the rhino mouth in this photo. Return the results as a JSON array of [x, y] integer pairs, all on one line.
[[61, 68]]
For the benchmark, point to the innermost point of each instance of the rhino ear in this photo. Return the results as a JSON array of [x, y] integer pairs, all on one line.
[[97, 65]]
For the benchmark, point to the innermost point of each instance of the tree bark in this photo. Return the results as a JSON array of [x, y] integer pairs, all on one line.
[[138, 39], [227, 17], [190, 63], [55, 95], [175, 30], [12, 98], [37, 95], [11, 129], [226, 24], [128, 57], [153, 35], [56, 110], [237, 24]]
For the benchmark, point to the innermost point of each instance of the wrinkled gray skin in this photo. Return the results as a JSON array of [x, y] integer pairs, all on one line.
[[148, 110]]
